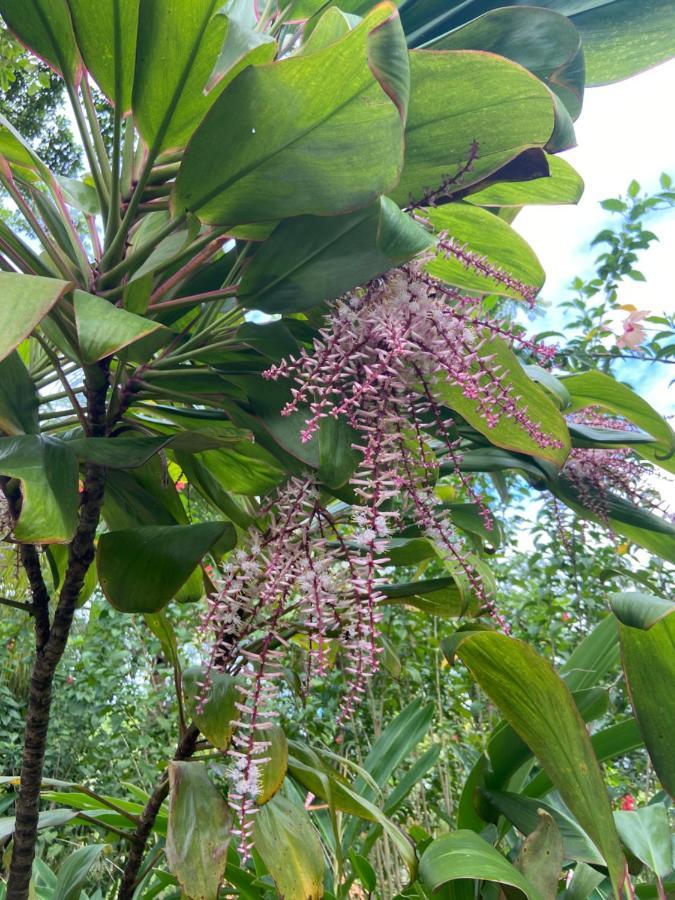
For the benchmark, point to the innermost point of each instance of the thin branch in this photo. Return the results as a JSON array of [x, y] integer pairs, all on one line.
[[222, 294], [64, 381], [15, 604]]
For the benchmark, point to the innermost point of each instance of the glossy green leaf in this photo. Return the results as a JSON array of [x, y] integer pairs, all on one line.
[[338, 145], [538, 705], [310, 259], [80, 195], [337, 458], [242, 47], [622, 37], [649, 664], [584, 883], [542, 40], [331, 26], [18, 398], [103, 328], [598, 389], [464, 854], [594, 657], [74, 871], [106, 35], [50, 818], [141, 569], [217, 715], [540, 857], [178, 45], [47, 470], [639, 609], [273, 771], [24, 302], [290, 848], [456, 98], [646, 833], [625, 518], [508, 433], [562, 185], [486, 236], [45, 27], [57, 556], [199, 830], [445, 597], [522, 812]]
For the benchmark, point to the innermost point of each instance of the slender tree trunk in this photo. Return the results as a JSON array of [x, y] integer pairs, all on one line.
[[185, 749], [51, 639]]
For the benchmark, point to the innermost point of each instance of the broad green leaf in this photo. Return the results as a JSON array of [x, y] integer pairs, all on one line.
[[337, 458], [18, 152], [242, 47], [57, 556], [24, 302], [103, 328], [47, 470], [492, 240], [541, 856], [74, 871], [598, 389], [106, 31], [160, 625], [646, 833], [625, 518], [521, 811], [45, 27], [649, 664], [18, 398], [309, 259], [199, 831], [141, 569], [594, 657], [290, 848], [246, 468], [50, 818], [178, 45], [621, 38], [584, 883], [508, 433], [456, 98], [561, 185], [444, 597], [79, 194], [638, 609], [332, 25], [272, 772], [217, 716], [464, 854], [338, 145], [538, 705], [541, 40]]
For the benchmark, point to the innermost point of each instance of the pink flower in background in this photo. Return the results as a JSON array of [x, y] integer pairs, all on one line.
[[627, 803], [633, 331]]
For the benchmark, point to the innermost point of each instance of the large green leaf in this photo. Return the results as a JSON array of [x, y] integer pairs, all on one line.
[[646, 833], [492, 240], [141, 569], [243, 46], [75, 870], [622, 37], [178, 45], [311, 258], [538, 705], [103, 328], [18, 397], [290, 848], [522, 812], [45, 27], [598, 389], [338, 145], [594, 657], [625, 518], [464, 854], [216, 716], [540, 857], [47, 470], [24, 302], [461, 97], [541, 40], [199, 831], [562, 185], [649, 664], [445, 597], [508, 433], [106, 35]]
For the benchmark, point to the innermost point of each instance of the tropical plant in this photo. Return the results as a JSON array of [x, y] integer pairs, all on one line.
[[274, 161]]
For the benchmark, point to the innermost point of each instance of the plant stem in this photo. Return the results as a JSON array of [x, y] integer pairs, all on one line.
[[16, 604], [50, 650], [184, 750], [112, 276], [101, 188]]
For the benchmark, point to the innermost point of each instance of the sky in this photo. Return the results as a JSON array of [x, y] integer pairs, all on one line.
[[625, 131]]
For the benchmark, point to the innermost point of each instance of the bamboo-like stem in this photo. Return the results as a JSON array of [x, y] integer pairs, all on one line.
[[206, 297], [185, 271]]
